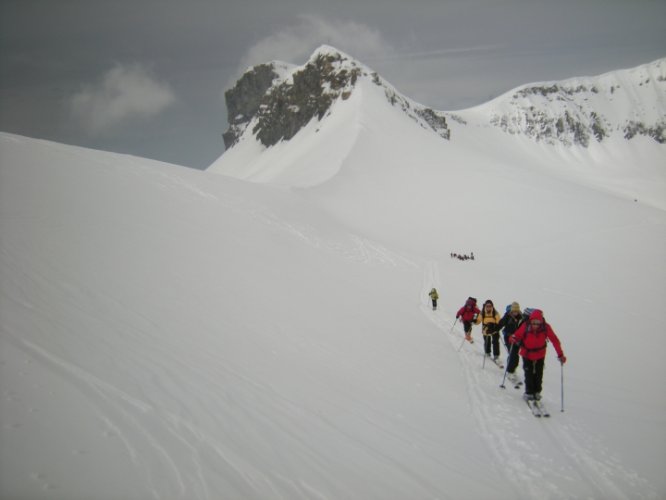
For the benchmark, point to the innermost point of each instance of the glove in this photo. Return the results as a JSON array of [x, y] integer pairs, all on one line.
[[563, 359]]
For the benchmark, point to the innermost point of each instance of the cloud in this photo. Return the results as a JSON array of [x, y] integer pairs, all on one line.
[[125, 92], [296, 42]]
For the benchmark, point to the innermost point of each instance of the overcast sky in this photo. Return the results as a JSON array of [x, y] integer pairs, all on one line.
[[147, 77]]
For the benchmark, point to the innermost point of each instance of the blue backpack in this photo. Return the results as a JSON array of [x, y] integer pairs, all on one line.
[[528, 311]]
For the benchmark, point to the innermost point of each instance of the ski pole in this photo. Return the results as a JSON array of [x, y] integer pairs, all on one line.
[[506, 369], [454, 324], [486, 337], [562, 384], [485, 355]]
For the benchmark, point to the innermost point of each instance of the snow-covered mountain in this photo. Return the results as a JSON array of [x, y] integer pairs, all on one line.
[[276, 100], [171, 333], [625, 103], [285, 118]]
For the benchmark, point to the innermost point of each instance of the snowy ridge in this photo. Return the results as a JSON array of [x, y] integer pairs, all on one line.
[[579, 111]]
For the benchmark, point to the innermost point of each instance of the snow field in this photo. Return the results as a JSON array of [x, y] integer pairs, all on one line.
[[170, 333]]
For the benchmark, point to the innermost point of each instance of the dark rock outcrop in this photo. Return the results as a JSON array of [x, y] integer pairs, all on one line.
[[277, 108], [656, 131], [244, 99], [291, 105]]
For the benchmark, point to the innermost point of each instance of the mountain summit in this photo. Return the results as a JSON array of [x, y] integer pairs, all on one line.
[[276, 100]]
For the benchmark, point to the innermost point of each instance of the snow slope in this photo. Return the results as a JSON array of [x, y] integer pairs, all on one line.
[[171, 333]]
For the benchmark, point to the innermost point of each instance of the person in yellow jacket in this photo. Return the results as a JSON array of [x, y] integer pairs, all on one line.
[[490, 319], [434, 296]]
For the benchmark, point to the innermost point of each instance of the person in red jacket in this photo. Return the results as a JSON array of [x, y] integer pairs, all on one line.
[[469, 314], [531, 336]]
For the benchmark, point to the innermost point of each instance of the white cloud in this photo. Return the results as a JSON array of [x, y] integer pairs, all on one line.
[[296, 42], [124, 92]]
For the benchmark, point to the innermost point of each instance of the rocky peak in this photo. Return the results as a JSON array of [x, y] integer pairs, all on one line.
[[309, 93], [277, 107]]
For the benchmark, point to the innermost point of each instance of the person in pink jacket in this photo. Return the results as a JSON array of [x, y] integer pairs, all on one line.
[[532, 337]]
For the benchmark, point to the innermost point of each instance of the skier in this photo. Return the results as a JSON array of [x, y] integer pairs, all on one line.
[[510, 322], [469, 314], [490, 319], [434, 296], [531, 336]]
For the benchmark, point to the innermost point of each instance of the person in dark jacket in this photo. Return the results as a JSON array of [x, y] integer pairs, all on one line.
[[509, 323], [532, 336]]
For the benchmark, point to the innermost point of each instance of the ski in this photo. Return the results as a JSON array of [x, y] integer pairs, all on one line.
[[542, 408], [517, 384], [534, 408], [537, 408]]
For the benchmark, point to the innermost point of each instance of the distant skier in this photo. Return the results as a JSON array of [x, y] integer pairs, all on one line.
[[532, 337], [510, 322], [434, 296], [469, 314], [490, 319]]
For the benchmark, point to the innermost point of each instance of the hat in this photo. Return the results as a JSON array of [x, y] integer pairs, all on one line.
[[537, 315], [515, 307]]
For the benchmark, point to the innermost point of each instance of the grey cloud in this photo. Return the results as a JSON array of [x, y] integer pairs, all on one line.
[[124, 93], [294, 43]]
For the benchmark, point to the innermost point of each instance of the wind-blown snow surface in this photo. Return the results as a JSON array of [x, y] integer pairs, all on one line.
[[171, 333]]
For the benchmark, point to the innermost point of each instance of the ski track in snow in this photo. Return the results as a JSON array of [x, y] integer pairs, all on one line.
[[523, 445]]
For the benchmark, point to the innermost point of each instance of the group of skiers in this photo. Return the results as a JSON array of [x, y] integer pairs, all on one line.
[[526, 334], [462, 257]]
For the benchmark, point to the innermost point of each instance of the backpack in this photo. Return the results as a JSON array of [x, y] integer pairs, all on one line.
[[528, 311]]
